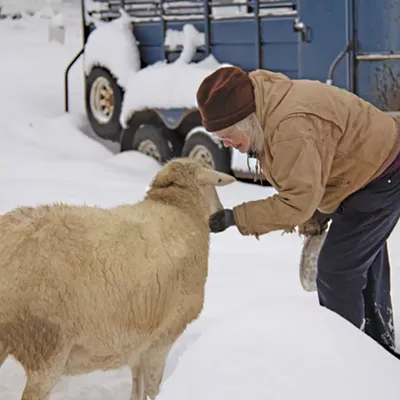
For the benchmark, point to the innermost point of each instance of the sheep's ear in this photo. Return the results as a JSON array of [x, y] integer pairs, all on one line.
[[215, 178]]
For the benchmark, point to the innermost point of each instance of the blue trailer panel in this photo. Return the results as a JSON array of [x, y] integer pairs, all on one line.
[[279, 46], [352, 44], [378, 52], [328, 32]]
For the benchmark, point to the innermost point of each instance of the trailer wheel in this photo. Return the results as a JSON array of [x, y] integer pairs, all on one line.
[[202, 148], [156, 142], [103, 103]]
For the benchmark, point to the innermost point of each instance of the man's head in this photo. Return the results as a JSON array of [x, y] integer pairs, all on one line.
[[226, 103]]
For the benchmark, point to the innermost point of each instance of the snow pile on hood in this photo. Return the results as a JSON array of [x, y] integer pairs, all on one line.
[[163, 85], [169, 85], [113, 45], [160, 85], [190, 38]]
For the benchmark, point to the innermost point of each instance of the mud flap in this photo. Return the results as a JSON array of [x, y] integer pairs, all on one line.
[[308, 261]]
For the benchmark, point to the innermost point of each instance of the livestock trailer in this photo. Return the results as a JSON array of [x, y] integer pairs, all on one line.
[[133, 92]]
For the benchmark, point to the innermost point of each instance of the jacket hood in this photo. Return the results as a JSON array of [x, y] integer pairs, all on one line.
[[270, 89]]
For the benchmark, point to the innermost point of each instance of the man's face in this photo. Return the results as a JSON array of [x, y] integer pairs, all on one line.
[[233, 137]]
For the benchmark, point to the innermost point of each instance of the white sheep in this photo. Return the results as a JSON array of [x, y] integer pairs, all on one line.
[[85, 288]]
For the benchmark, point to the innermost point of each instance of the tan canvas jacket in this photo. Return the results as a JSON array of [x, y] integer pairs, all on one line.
[[321, 144]]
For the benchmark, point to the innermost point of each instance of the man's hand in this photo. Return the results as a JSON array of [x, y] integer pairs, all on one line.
[[221, 220], [316, 225]]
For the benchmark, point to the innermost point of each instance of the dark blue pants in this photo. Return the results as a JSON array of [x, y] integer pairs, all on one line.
[[353, 277]]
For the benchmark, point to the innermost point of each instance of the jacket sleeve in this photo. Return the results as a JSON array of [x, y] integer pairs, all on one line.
[[298, 178]]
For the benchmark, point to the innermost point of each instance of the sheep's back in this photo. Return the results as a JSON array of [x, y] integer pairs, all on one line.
[[77, 263], [45, 252]]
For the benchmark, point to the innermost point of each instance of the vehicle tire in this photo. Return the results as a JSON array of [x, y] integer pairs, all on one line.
[[155, 142], [103, 103], [201, 147]]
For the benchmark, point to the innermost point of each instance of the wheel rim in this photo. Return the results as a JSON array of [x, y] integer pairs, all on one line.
[[150, 149], [102, 100], [202, 154]]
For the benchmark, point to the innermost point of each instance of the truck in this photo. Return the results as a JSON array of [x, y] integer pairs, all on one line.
[[145, 59]]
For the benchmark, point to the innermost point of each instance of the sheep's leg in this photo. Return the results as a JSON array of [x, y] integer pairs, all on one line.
[[41, 380], [39, 384], [153, 362], [137, 392]]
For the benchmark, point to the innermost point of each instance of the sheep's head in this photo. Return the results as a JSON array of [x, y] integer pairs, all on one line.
[[192, 176]]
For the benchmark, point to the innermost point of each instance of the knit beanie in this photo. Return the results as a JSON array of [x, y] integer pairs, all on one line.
[[225, 97]]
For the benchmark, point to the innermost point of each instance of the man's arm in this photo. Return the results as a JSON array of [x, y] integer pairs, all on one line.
[[298, 172]]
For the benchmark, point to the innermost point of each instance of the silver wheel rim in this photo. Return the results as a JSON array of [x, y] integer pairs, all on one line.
[[102, 100], [202, 154], [150, 149]]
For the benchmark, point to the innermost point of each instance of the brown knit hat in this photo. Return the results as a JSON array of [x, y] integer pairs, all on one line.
[[225, 97]]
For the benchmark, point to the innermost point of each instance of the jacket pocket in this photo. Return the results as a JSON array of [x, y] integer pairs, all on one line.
[[336, 191]]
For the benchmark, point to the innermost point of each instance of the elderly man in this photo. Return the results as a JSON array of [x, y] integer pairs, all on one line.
[[331, 156]]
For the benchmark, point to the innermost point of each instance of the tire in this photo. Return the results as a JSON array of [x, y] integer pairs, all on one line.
[[156, 142], [103, 120], [201, 147]]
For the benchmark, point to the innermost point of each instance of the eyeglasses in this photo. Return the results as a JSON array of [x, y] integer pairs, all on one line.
[[222, 139]]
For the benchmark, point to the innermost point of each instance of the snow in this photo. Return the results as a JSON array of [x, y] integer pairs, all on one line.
[[44, 8], [192, 10], [27, 56], [58, 20], [190, 38], [239, 162], [175, 38], [229, 11], [162, 85], [169, 85], [260, 335], [112, 45], [254, 339], [14, 6]]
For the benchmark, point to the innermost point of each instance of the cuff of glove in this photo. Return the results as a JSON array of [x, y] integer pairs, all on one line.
[[229, 218]]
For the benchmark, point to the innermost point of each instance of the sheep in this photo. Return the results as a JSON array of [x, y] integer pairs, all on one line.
[[87, 288]]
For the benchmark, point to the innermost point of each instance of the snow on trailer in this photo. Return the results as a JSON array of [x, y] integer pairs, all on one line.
[[144, 61]]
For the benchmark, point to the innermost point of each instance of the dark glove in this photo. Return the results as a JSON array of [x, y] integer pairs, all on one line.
[[221, 220], [316, 225]]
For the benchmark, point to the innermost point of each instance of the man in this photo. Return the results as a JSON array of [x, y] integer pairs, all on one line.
[[331, 156]]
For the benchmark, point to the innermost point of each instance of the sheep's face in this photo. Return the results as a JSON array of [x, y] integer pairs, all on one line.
[[182, 173]]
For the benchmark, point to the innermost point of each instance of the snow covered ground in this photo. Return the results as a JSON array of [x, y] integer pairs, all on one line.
[[260, 336]]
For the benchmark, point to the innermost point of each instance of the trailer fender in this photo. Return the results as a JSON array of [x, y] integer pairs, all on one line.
[[138, 119], [203, 146]]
